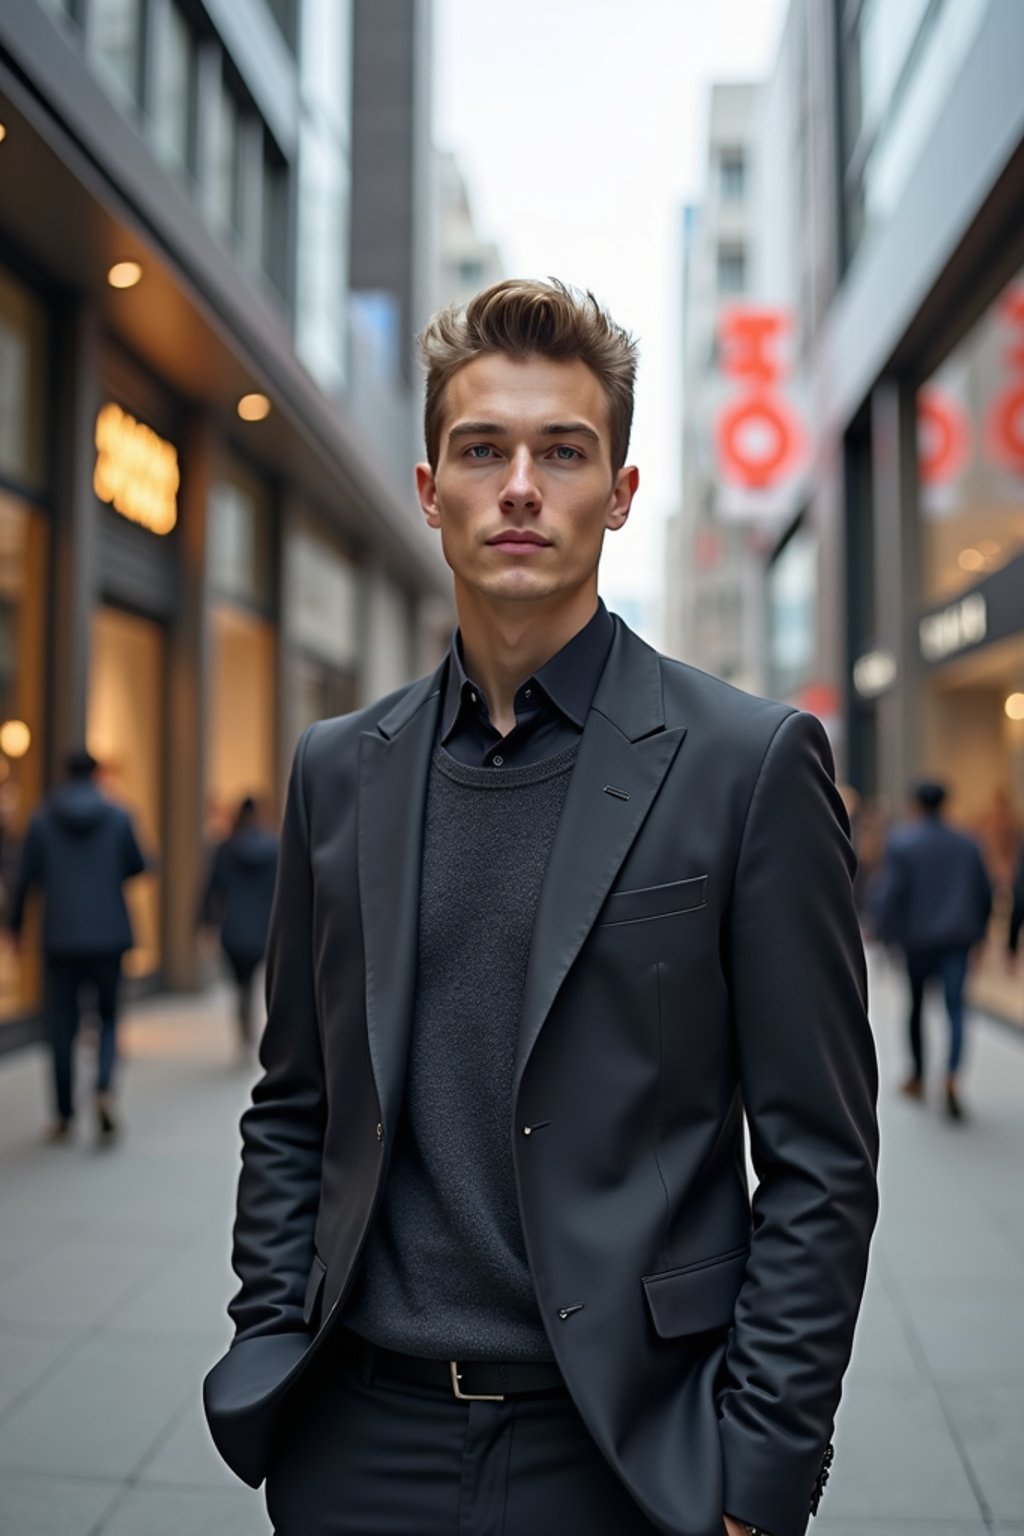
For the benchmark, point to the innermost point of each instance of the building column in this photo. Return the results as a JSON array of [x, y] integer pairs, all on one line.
[[896, 566], [75, 531], [188, 668]]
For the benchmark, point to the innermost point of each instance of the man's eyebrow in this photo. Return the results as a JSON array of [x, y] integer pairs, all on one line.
[[569, 429], [478, 429]]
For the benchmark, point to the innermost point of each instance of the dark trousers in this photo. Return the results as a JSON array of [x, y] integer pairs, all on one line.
[[65, 977], [243, 969], [365, 1457], [950, 967]]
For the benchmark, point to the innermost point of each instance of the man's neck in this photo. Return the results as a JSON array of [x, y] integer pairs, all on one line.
[[504, 644]]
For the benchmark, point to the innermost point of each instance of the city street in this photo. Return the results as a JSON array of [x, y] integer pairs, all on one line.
[[114, 1275]]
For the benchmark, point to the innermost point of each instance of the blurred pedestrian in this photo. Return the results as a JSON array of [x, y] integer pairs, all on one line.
[[1016, 913], [80, 849], [238, 897], [935, 906]]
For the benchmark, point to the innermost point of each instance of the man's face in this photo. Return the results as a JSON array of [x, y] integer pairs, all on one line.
[[524, 488]]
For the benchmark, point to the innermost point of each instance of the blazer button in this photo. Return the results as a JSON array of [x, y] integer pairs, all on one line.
[[380, 1131]]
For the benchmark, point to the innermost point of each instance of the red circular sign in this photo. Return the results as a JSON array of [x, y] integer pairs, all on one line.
[[758, 439]]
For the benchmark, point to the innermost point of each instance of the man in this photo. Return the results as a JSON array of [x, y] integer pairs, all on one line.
[[80, 848], [936, 903], [546, 924]]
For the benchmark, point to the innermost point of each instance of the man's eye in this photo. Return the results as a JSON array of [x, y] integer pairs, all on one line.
[[565, 454], [479, 451]]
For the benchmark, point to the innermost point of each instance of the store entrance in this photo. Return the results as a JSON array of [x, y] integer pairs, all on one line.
[[125, 733], [973, 722]]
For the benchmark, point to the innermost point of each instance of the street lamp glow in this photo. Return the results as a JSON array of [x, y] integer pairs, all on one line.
[[124, 274], [971, 560], [1014, 706], [254, 407], [3, 132]]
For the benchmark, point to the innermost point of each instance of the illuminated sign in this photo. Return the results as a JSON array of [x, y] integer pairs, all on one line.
[[759, 438], [944, 426], [874, 673], [955, 628], [136, 471]]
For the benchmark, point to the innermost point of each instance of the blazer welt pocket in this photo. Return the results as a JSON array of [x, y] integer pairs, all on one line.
[[314, 1285], [698, 1296], [655, 901]]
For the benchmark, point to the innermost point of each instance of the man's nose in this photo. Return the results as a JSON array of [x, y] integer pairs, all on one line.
[[520, 492]]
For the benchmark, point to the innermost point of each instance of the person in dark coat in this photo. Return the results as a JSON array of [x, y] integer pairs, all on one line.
[[936, 903], [80, 849], [238, 897], [1016, 912]]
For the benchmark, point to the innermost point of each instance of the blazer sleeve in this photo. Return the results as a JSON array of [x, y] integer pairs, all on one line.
[[809, 1082], [283, 1129]]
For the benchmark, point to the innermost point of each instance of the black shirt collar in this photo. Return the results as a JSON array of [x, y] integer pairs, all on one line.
[[569, 679]]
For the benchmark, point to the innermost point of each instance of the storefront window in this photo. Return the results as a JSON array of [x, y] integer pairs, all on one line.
[[23, 562], [242, 723], [225, 178], [125, 734], [240, 536], [23, 344], [971, 454]]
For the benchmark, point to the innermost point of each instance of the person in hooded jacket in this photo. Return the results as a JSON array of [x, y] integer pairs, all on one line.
[[80, 848], [238, 897]]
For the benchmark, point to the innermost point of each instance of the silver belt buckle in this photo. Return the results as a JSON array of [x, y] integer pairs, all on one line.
[[470, 1397]]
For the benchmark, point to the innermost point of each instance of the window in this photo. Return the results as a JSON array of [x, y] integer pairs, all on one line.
[[23, 344], [732, 269], [225, 179], [470, 271], [174, 79], [115, 44], [273, 217], [732, 175]]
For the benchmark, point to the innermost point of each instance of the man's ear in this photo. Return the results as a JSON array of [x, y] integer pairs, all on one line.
[[426, 490], [627, 482]]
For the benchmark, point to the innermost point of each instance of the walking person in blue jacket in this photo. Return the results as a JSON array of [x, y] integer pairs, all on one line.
[[238, 897], [80, 848], [936, 903]]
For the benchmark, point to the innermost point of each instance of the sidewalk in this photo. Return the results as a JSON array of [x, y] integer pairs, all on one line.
[[114, 1277]]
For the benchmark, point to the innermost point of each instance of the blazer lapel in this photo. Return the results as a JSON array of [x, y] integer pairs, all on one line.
[[394, 770], [624, 754]]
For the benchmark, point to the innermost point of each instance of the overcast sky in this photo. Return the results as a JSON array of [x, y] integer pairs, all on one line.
[[580, 126]]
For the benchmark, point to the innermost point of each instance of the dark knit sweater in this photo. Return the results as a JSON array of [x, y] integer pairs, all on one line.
[[445, 1272]]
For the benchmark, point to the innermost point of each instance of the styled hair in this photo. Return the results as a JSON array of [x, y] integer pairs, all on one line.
[[522, 319]]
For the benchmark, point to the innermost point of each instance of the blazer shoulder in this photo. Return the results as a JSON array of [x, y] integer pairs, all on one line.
[[697, 698], [326, 739]]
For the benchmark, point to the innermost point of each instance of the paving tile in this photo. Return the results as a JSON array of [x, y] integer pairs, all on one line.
[[825, 1527], [895, 1459], [187, 1294], [971, 1249], [187, 1456], [988, 1418], [53, 1506], [188, 1512], [24, 1358], [101, 1413], [74, 1283], [881, 1347], [969, 1331]]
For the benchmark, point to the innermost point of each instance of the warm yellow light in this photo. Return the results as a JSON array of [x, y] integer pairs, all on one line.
[[124, 274], [136, 471], [989, 548], [15, 738], [3, 132], [254, 407], [1014, 706], [971, 560]]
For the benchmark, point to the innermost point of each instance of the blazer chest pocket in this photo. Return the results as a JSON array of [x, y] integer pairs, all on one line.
[[314, 1287], [697, 1297], [654, 901]]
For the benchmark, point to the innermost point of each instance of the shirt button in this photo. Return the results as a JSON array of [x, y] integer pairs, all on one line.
[[527, 1130], [380, 1131], [497, 760], [528, 694], [474, 698]]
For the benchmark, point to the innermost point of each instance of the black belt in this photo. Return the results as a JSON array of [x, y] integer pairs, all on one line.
[[468, 1380]]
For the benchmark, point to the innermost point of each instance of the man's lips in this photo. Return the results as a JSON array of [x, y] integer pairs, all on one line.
[[513, 539]]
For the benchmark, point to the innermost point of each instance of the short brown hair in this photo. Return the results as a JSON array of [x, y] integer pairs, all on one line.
[[523, 318]]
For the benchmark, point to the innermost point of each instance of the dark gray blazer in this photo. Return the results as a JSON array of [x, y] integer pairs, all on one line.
[[695, 953]]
